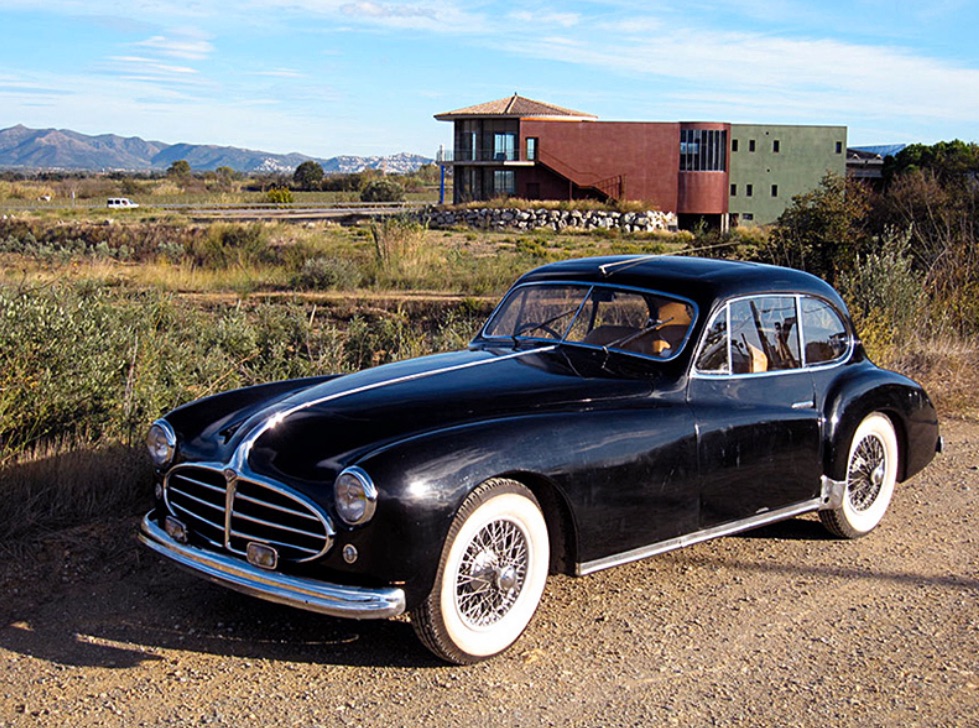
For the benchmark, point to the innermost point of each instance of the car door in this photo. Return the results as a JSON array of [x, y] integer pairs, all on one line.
[[758, 442]]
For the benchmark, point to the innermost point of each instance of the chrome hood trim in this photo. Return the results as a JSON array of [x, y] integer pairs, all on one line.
[[275, 415]]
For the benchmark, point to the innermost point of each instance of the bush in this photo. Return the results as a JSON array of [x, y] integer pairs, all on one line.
[[226, 245], [279, 196], [326, 273], [383, 190]]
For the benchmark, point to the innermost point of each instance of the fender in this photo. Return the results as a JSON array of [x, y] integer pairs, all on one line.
[[633, 470], [860, 389]]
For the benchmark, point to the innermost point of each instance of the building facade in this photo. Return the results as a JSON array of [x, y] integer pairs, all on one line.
[[770, 164], [518, 147]]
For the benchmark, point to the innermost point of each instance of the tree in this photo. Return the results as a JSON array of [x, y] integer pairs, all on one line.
[[180, 168], [822, 231], [308, 175]]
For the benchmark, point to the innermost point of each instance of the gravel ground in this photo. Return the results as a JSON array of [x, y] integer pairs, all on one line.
[[782, 626]]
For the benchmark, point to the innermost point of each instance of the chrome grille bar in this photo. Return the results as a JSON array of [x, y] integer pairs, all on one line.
[[216, 503]]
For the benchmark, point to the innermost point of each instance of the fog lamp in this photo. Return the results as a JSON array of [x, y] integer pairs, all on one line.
[[356, 496], [161, 441]]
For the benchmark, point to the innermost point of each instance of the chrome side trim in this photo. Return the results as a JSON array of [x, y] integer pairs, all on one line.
[[727, 529], [335, 600]]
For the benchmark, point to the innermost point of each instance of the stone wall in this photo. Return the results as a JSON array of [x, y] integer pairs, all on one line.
[[494, 218]]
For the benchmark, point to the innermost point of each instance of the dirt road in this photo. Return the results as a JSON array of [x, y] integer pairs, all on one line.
[[782, 626]]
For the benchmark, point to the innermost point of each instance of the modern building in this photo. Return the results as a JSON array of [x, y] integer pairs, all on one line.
[[712, 171]]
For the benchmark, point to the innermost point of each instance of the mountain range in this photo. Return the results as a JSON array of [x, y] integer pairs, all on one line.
[[63, 149]]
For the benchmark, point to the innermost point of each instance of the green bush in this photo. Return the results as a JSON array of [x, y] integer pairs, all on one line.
[[279, 196], [383, 190], [226, 245]]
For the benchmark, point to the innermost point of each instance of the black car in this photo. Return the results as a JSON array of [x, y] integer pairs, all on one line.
[[610, 409]]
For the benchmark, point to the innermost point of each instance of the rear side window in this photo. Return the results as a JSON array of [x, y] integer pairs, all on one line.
[[825, 335], [763, 334]]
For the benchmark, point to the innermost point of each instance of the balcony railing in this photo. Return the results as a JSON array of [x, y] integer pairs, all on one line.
[[478, 155]]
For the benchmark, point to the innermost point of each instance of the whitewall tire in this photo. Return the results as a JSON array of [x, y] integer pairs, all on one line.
[[870, 478], [491, 575]]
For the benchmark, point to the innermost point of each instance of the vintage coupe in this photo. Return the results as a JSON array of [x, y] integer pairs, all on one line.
[[610, 409]]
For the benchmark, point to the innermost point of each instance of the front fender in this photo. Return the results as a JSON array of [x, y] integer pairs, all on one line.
[[618, 469]]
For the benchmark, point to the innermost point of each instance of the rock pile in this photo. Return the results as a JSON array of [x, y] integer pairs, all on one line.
[[487, 218]]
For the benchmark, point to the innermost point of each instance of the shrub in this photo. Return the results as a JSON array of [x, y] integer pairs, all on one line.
[[325, 273], [383, 190], [226, 245], [279, 196]]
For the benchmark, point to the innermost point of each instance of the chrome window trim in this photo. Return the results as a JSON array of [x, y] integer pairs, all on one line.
[[696, 373]]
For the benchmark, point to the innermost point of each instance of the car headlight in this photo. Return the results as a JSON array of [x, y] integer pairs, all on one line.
[[161, 441], [356, 496]]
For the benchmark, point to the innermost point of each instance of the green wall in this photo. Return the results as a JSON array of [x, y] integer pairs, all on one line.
[[805, 154]]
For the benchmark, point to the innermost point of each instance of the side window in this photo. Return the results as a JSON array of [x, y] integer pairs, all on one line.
[[713, 354], [823, 331], [764, 335]]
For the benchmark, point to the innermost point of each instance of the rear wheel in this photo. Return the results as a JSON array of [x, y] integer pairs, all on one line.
[[491, 575], [870, 478]]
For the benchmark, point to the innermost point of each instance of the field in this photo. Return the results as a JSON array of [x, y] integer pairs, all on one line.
[[107, 320]]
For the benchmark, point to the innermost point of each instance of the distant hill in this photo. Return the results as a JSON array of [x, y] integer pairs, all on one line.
[[34, 149]]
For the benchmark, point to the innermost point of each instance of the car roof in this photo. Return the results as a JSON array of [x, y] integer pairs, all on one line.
[[703, 280]]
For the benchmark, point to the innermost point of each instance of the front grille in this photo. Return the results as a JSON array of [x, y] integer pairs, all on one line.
[[202, 498]]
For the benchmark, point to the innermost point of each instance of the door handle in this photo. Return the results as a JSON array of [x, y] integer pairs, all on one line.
[[808, 404]]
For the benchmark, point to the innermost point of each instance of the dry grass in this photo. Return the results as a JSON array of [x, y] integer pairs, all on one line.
[[71, 481], [946, 368]]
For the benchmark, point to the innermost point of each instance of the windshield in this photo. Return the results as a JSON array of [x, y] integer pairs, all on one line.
[[633, 321]]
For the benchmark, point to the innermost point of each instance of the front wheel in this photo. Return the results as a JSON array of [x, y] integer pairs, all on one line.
[[870, 477], [491, 575]]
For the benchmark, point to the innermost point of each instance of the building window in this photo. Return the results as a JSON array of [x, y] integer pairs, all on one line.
[[531, 149], [734, 190], [734, 145], [748, 190], [775, 146], [839, 147], [504, 147], [504, 182], [703, 150], [774, 190], [751, 145]]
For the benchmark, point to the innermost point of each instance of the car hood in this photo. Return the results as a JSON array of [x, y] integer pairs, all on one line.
[[331, 423]]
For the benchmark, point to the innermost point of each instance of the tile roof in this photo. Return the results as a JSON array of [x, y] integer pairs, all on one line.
[[515, 106]]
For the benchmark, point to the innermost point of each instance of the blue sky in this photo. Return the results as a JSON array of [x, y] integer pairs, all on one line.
[[330, 77]]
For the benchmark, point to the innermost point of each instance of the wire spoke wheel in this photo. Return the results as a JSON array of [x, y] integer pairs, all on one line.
[[871, 474], [491, 575]]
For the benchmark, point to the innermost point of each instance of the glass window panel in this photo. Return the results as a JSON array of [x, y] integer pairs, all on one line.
[[713, 356], [764, 335], [823, 331]]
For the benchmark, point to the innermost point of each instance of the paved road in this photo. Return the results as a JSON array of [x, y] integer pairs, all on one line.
[[783, 626]]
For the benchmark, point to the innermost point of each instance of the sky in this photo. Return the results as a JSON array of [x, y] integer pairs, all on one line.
[[365, 77]]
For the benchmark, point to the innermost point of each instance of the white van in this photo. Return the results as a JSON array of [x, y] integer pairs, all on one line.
[[118, 203]]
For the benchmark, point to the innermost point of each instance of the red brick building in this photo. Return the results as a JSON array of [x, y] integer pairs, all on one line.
[[524, 148]]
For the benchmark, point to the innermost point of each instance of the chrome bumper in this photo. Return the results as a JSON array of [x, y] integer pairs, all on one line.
[[335, 600]]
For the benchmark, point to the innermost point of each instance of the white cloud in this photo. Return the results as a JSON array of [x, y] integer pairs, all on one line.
[[192, 49]]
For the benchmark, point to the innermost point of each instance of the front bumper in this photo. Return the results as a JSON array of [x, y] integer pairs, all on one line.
[[335, 600]]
